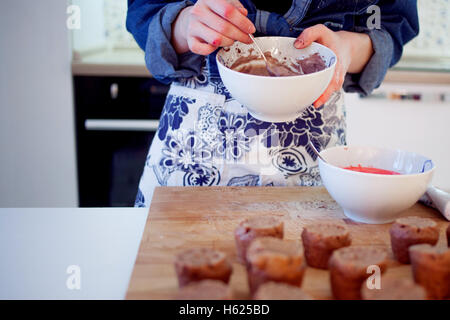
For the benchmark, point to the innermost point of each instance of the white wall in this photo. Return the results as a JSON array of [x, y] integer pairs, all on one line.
[[421, 127], [37, 144]]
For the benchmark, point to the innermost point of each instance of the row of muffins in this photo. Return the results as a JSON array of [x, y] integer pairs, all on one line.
[[275, 267], [414, 241]]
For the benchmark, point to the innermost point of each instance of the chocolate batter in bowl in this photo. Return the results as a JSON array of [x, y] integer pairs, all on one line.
[[304, 74], [254, 64]]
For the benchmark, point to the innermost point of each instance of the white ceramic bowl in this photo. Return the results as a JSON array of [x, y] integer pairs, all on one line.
[[375, 198], [275, 99]]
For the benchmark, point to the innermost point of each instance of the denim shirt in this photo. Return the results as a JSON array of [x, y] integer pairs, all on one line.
[[150, 22]]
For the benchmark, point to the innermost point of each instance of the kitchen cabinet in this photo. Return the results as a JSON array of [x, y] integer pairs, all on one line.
[[116, 118]]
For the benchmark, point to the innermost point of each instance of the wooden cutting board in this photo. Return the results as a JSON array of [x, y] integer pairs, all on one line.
[[185, 217]]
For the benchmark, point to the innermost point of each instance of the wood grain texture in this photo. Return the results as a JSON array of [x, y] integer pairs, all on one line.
[[185, 217]]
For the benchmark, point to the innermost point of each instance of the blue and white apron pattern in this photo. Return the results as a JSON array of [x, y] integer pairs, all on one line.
[[206, 138]]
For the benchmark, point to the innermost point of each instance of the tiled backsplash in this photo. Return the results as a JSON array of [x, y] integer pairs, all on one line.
[[433, 40], [116, 33]]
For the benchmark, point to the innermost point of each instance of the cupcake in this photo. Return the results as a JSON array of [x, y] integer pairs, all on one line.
[[202, 263], [249, 229], [431, 269], [205, 290], [320, 240], [448, 235], [280, 291], [408, 231], [348, 269], [272, 259], [393, 288]]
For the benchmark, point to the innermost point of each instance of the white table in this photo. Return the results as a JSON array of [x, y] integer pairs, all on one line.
[[38, 245]]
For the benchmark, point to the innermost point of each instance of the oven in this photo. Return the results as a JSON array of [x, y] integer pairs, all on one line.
[[116, 119]]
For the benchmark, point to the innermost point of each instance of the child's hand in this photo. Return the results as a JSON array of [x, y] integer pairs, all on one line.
[[353, 51], [210, 24]]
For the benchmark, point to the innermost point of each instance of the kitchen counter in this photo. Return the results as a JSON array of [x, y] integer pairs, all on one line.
[[103, 62], [131, 62], [38, 245]]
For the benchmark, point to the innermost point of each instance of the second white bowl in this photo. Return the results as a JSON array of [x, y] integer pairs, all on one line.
[[374, 198]]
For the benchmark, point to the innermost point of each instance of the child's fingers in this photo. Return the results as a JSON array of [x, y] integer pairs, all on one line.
[[211, 36], [335, 85], [232, 14], [318, 33], [243, 11], [238, 6], [198, 46], [217, 23]]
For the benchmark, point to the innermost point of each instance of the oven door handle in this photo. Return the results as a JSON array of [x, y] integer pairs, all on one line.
[[121, 125]]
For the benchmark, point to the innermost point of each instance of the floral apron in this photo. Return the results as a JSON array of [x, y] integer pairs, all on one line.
[[207, 138]]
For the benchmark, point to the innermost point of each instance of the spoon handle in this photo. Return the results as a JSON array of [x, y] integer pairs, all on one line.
[[257, 46], [316, 151]]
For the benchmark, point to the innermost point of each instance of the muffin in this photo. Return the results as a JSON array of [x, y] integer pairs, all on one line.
[[272, 259], [249, 229], [202, 263], [448, 235], [280, 291], [408, 231], [393, 288], [321, 239], [205, 290], [348, 269], [431, 269]]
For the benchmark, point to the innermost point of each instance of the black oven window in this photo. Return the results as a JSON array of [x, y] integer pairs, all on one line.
[[116, 120]]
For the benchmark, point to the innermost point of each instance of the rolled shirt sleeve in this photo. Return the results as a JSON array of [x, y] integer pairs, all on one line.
[[150, 22], [399, 24], [377, 67]]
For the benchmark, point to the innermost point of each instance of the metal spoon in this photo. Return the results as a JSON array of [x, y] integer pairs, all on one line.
[[316, 152], [275, 69], [269, 68]]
